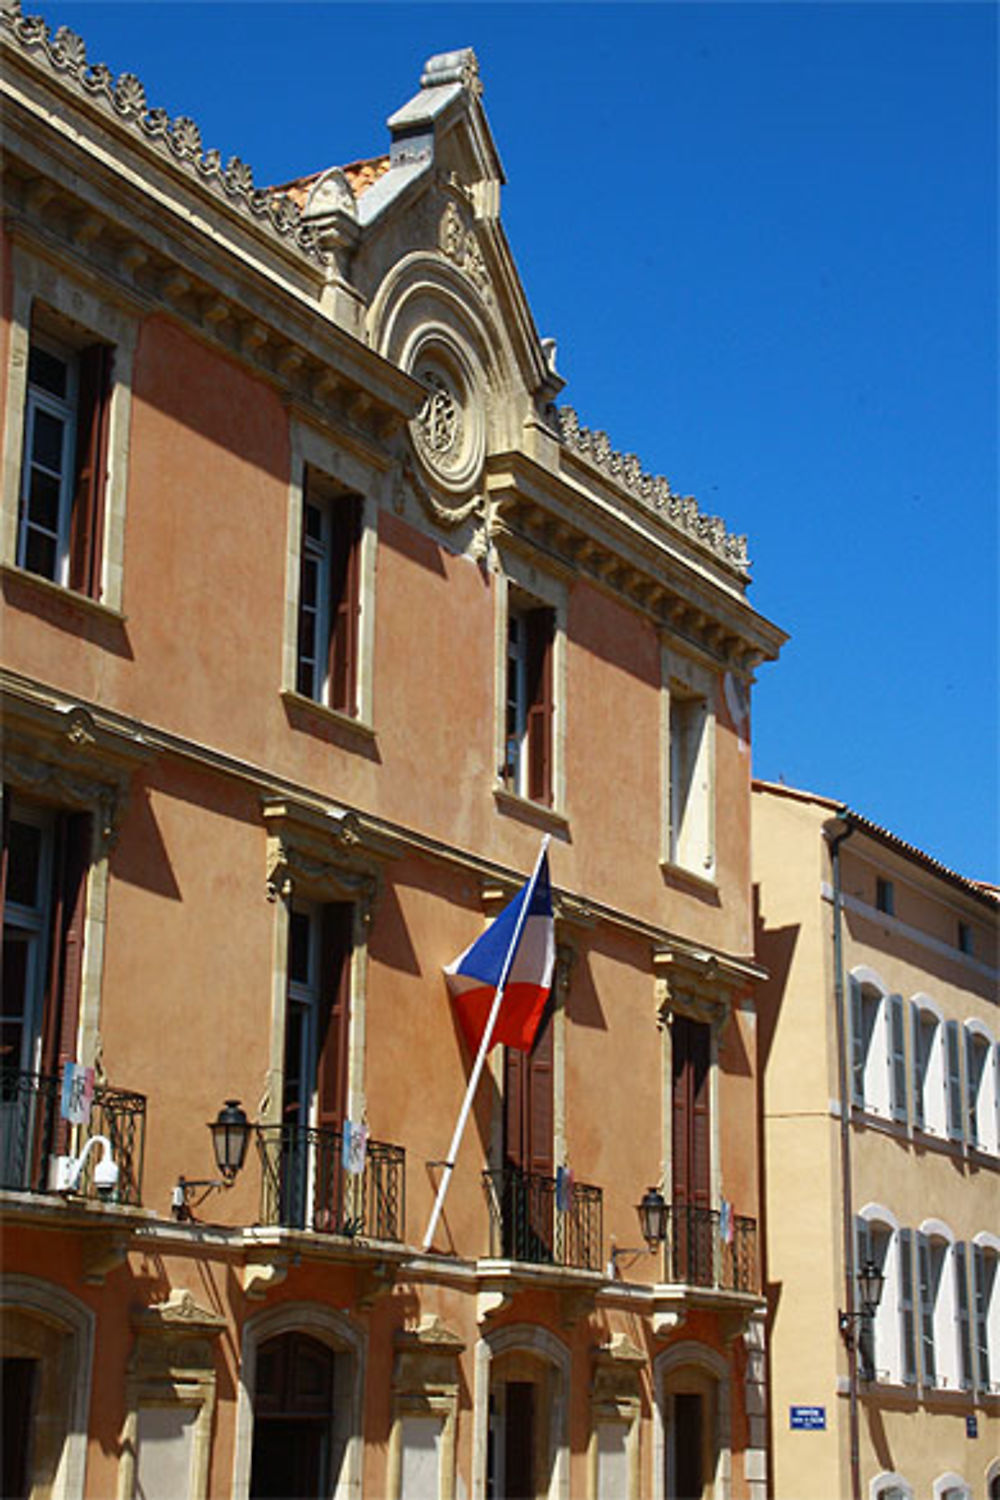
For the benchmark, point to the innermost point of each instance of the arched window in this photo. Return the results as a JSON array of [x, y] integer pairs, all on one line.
[[986, 1312], [929, 1067], [880, 1239], [876, 1083], [981, 1085], [945, 1331], [522, 1382], [890, 1487]]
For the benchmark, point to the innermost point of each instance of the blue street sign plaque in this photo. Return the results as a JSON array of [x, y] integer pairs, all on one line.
[[971, 1425], [807, 1418]]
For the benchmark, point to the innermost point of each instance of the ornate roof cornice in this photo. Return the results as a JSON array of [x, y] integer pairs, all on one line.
[[177, 140], [653, 491]]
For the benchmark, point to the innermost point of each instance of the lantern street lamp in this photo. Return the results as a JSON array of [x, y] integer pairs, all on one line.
[[230, 1137], [652, 1213], [871, 1280]]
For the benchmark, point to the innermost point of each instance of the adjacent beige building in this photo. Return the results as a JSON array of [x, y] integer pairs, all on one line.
[[878, 1052]]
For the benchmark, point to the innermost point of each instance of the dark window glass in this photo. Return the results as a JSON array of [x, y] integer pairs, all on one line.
[[47, 371]]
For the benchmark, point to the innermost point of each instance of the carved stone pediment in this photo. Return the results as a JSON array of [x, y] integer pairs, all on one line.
[[329, 850], [427, 1359], [699, 982]]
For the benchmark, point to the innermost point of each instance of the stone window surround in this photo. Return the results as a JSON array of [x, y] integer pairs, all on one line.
[[426, 1382], [50, 1305], [698, 681], [172, 1365], [37, 282], [510, 570], [312, 449], [616, 1398], [340, 1334]]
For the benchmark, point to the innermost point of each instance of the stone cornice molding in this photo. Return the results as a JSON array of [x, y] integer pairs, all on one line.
[[63, 754], [654, 492], [328, 849], [63, 54], [699, 981], [632, 552]]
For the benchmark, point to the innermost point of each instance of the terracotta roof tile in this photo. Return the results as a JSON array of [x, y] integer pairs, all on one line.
[[360, 175]]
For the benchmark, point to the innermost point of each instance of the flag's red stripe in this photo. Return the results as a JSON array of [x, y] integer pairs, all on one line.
[[520, 1013]]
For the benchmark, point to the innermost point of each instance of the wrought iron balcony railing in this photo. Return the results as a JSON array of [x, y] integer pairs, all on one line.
[[305, 1185], [528, 1222], [32, 1131], [705, 1248]]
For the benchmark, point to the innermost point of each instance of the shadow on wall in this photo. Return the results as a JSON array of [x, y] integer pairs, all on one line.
[[774, 947], [140, 857]]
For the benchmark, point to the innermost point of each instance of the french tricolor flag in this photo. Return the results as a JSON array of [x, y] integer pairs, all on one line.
[[516, 951]]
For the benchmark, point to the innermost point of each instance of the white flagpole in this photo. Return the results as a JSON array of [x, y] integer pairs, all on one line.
[[484, 1047]]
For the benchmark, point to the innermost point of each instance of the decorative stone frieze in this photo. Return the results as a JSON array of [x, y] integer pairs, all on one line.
[[654, 492], [459, 243], [178, 139]]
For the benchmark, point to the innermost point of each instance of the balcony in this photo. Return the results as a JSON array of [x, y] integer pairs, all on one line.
[[528, 1224], [304, 1184], [32, 1131], [700, 1252]]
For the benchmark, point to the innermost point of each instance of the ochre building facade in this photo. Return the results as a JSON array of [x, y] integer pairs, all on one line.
[[319, 611], [879, 1035]]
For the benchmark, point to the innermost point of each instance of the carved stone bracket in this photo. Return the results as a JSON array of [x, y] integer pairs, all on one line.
[[330, 850], [102, 1254], [491, 1301], [576, 1305], [374, 1281], [261, 1276], [664, 1322]]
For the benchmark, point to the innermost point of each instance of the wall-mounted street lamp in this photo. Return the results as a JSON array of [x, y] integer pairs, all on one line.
[[230, 1137], [652, 1213], [871, 1280]]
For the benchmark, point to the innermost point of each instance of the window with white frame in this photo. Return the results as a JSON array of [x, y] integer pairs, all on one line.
[[940, 1291], [881, 1239], [872, 1073], [65, 459], [981, 1088], [929, 1068], [329, 595], [890, 1487], [688, 765], [985, 1258]]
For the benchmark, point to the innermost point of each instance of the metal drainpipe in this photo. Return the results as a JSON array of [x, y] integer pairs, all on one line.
[[847, 1197]]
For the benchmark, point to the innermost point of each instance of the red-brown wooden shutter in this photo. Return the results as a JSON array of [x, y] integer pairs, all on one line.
[[71, 861], [539, 630], [345, 601], [514, 1145], [540, 1112], [691, 1114], [86, 539], [334, 1015]]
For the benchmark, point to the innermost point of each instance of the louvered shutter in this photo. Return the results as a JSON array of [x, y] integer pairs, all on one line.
[[515, 1146], [540, 1119], [681, 1112], [954, 1057], [971, 1090], [539, 631], [701, 1143], [71, 860], [334, 1014], [86, 538], [345, 602], [962, 1306], [897, 1033], [919, 1065], [907, 1329], [857, 1043], [927, 1364], [980, 1296]]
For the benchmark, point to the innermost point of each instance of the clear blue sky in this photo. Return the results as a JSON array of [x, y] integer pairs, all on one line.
[[764, 237]]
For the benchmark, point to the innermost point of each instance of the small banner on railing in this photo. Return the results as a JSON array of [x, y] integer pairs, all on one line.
[[726, 1222], [77, 1093], [564, 1189], [355, 1149]]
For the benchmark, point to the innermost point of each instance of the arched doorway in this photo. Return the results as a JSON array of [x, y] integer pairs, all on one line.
[[293, 1426], [522, 1383], [693, 1457]]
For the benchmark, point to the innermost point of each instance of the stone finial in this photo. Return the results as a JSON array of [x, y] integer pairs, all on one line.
[[452, 67]]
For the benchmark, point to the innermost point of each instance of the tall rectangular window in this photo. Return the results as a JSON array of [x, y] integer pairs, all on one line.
[[691, 1152], [64, 469], [329, 596], [690, 782], [528, 706]]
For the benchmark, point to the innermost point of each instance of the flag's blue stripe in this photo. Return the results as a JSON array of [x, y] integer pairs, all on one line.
[[484, 960]]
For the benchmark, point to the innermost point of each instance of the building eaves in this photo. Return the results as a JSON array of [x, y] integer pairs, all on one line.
[[981, 890]]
